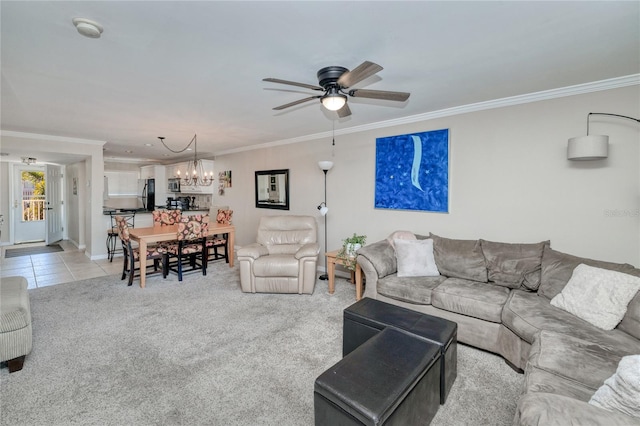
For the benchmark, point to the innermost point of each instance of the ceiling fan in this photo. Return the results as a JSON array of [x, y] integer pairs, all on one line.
[[335, 81]]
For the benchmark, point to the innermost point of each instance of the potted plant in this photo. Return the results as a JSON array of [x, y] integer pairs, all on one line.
[[347, 254]]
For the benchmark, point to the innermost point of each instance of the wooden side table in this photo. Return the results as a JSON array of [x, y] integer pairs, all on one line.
[[332, 259]]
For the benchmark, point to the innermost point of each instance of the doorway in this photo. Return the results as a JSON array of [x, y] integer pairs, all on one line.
[[37, 213], [29, 204]]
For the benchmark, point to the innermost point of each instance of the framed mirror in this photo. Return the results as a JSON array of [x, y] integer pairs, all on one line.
[[272, 189]]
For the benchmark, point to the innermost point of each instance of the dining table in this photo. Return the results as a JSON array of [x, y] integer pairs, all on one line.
[[158, 234]]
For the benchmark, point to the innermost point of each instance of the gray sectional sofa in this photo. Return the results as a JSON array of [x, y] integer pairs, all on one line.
[[499, 294]]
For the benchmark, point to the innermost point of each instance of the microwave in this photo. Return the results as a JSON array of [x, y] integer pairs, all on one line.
[[173, 185]]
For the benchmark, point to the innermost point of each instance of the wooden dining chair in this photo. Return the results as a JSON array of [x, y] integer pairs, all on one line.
[[220, 241], [133, 255], [166, 217], [191, 246]]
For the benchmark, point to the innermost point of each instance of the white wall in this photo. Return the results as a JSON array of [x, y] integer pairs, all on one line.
[[4, 202], [74, 212], [509, 179]]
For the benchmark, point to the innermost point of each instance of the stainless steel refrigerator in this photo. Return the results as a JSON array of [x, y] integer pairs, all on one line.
[[147, 191]]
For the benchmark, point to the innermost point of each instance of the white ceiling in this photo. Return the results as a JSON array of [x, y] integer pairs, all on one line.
[[176, 68]]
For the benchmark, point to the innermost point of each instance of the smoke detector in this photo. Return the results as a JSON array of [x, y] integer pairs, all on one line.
[[87, 27]]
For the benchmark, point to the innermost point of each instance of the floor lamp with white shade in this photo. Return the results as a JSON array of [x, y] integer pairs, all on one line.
[[325, 166]]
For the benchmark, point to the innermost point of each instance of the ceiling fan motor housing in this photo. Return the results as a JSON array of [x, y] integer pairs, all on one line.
[[328, 76]]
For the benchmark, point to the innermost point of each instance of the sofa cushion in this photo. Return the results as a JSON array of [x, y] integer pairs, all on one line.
[[546, 409], [276, 266], [471, 298], [460, 258], [597, 295], [573, 360], [539, 380], [527, 313], [621, 391], [631, 321], [415, 290], [514, 265], [415, 258], [557, 268]]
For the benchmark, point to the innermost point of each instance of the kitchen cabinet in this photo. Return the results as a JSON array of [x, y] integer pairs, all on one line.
[[158, 173], [172, 170], [207, 165], [148, 172]]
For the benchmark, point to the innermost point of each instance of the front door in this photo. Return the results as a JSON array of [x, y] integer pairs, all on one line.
[[29, 203], [54, 204]]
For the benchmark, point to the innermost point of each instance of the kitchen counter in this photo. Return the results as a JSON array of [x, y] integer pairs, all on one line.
[[143, 217], [108, 211]]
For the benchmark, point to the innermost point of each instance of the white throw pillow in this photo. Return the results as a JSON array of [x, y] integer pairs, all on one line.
[[415, 258], [621, 392], [597, 295]]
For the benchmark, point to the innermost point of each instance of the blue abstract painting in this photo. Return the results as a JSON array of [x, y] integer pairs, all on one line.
[[412, 172]]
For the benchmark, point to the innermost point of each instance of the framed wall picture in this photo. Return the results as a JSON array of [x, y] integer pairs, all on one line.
[[412, 172], [272, 189]]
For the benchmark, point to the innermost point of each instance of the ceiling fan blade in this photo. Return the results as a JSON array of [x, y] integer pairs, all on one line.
[[345, 111], [380, 94], [299, 101], [362, 71], [293, 83]]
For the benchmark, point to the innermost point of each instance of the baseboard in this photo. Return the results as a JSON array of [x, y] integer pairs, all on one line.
[[78, 246]]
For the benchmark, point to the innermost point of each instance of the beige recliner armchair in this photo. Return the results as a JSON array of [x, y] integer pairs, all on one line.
[[284, 258]]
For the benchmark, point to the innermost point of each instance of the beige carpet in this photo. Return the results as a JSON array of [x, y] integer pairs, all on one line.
[[201, 352]]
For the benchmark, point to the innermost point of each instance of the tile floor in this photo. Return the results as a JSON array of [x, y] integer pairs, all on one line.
[[56, 268]]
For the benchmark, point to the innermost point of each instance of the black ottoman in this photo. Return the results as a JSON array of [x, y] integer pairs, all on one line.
[[367, 317], [392, 379]]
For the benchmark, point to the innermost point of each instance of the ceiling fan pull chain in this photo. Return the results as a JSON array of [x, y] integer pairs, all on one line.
[[333, 133]]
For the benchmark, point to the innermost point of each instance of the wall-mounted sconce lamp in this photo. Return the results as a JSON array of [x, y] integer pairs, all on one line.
[[591, 147]]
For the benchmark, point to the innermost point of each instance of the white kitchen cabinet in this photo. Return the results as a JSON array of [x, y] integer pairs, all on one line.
[[157, 173], [147, 172], [207, 165], [172, 170]]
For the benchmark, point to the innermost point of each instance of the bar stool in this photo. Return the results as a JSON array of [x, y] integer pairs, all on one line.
[[112, 233]]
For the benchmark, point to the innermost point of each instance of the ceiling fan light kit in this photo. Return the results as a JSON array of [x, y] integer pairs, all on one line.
[[334, 82], [87, 27], [334, 101]]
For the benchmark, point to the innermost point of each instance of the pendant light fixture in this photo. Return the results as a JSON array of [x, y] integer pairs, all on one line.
[[195, 174]]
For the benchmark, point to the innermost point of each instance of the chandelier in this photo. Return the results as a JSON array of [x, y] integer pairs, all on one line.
[[194, 174]]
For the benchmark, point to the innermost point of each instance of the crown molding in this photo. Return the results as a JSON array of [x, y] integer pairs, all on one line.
[[36, 136], [578, 89]]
